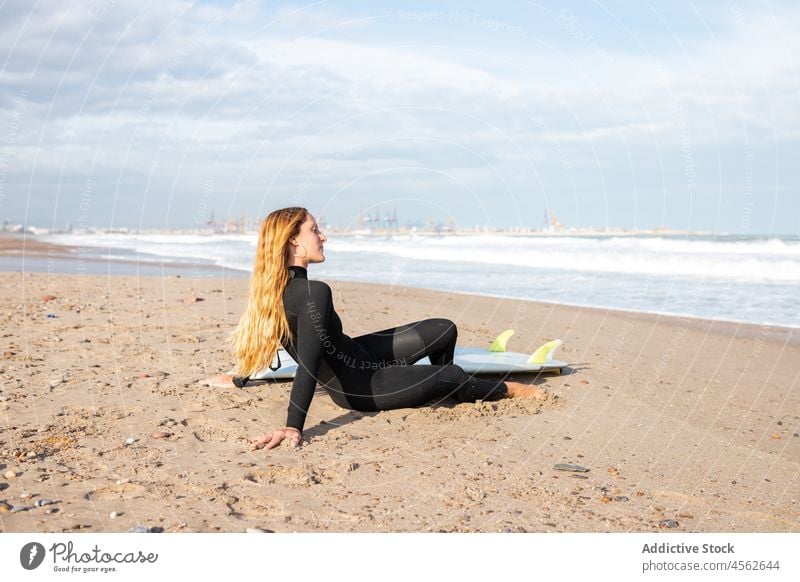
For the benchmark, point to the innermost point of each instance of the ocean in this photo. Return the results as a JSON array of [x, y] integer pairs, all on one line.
[[753, 279]]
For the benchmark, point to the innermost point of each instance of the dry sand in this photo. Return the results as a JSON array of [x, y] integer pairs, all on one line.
[[684, 425]]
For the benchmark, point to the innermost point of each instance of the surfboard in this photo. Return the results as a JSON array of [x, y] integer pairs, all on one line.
[[494, 360]]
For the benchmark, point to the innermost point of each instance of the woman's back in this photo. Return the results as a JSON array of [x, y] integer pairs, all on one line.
[[323, 352]]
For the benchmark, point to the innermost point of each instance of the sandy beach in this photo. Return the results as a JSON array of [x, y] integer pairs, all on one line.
[[685, 425]]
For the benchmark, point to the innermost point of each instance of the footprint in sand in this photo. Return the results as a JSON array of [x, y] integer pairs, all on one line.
[[261, 506], [304, 476], [667, 495], [121, 491]]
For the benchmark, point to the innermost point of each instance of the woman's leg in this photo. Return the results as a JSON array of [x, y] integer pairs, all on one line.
[[410, 386], [409, 343]]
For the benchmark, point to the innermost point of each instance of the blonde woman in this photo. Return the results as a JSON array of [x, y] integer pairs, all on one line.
[[368, 373]]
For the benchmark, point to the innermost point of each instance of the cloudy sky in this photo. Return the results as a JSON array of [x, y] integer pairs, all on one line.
[[154, 113]]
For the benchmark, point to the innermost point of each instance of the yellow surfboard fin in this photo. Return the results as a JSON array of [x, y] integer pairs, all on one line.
[[544, 353], [499, 343]]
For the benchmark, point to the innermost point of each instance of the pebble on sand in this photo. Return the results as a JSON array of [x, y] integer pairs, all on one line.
[[130, 441], [47, 298], [161, 434], [191, 299], [146, 529], [571, 467], [9, 474], [258, 530], [668, 523]]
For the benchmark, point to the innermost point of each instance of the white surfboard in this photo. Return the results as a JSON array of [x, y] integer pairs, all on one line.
[[494, 360]]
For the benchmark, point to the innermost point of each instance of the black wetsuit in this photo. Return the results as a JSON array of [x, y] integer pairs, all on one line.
[[374, 371]]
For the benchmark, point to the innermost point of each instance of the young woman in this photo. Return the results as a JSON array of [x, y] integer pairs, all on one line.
[[367, 373]]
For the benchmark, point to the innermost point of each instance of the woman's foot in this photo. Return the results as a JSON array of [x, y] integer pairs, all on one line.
[[519, 390], [218, 381]]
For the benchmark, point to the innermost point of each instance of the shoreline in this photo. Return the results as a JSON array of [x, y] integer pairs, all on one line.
[[16, 244], [20, 255], [171, 268], [753, 330], [676, 421]]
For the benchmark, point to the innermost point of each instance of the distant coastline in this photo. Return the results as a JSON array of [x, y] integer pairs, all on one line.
[[24, 252], [442, 230]]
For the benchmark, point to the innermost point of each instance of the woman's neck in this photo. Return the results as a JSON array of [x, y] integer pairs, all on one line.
[[296, 262], [297, 271]]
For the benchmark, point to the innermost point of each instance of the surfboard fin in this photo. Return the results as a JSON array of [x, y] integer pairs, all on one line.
[[499, 343], [544, 354]]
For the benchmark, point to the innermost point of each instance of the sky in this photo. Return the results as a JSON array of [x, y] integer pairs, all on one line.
[[153, 114]]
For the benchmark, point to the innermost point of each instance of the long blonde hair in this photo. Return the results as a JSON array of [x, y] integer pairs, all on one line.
[[263, 326]]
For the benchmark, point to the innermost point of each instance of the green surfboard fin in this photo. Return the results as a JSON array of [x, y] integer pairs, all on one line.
[[544, 353], [499, 343]]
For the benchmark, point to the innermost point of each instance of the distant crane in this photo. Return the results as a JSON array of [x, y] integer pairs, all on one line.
[[551, 223]]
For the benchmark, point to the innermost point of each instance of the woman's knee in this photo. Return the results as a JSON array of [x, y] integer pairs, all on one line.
[[446, 328]]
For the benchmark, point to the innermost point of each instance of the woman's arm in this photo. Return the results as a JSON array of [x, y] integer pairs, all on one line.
[[312, 333]]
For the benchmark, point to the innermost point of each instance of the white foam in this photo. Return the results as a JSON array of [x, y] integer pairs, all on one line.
[[772, 260], [739, 280]]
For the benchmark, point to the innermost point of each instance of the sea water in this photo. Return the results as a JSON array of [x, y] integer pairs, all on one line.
[[734, 278]]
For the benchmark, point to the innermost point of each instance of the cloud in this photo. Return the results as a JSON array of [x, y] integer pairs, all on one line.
[[267, 100], [382, 67]]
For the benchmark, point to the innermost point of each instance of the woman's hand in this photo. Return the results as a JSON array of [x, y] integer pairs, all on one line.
[[274, 438]]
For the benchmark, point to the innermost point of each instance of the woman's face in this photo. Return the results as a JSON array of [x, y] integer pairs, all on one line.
[[307, 246]]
